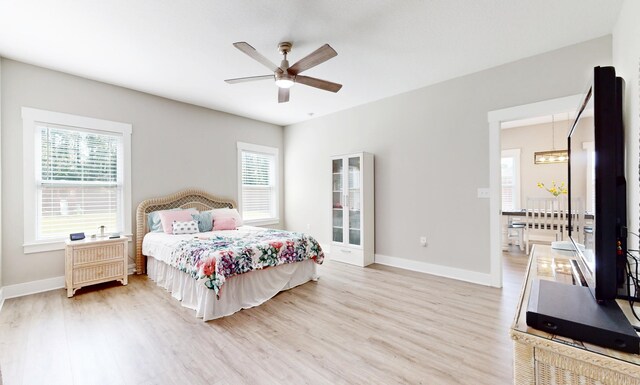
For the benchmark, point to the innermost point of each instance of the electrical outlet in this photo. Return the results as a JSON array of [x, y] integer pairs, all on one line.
[[308, 226], [483, 192], [423, 241]]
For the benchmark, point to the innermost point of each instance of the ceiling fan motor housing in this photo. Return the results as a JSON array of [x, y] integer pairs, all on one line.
[[284, 47]]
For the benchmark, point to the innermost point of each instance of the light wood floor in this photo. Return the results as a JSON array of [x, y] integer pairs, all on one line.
[[377, 325]]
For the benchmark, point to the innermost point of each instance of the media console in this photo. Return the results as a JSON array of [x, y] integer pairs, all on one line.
[[546, 358]]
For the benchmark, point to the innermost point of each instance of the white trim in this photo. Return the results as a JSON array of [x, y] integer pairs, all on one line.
[[439, 270], [1, 297], [242, 146], [547, 107], [33, 287], [30, 118], [58, 244], [495, 209], [39, 247], [590, 148], [262, 222]]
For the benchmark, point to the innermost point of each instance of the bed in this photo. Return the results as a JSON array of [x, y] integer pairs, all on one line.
[[213, 295]]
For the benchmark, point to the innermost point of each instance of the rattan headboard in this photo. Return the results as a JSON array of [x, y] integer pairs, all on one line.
[[191, 198]]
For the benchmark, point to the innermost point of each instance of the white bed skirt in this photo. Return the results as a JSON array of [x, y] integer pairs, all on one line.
[[239, 292]]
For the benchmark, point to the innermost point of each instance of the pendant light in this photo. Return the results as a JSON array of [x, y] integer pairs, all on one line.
[[553, 156]]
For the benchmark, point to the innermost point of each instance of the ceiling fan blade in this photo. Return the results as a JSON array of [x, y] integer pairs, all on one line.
[[318, 83], [250, 51], [316, 57], [249, 79], [283, 95]]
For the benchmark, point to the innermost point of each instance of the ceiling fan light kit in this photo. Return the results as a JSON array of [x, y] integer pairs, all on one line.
[[285, 76], [284, 80]]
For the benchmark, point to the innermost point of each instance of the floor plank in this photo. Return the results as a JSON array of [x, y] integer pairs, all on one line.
[[378, 325]]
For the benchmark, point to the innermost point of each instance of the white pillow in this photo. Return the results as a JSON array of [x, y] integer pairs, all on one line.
[[188, 227], [227, 213]]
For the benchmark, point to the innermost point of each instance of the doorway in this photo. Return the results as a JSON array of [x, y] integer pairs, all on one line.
[[496, 118]]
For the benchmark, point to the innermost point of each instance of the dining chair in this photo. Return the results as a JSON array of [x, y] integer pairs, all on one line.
[[578, 226], [515, 231], [543, 221]]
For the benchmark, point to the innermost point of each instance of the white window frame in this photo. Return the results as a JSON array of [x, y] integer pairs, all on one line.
[[589, 147], [31, 118], [515, 154], [242, 146]]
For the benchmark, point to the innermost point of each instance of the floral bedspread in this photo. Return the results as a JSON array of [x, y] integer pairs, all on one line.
[[216, 259]]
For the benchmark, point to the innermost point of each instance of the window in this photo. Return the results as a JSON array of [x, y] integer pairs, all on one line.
[[510, 180], [258, 183], [591, 176], [77, 177]]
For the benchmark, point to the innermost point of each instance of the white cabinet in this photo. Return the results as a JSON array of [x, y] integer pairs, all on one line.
[[352, 209]]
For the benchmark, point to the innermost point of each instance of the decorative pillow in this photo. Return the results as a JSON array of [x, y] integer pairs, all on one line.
[[167, 218], [226, 213], [204, 219], [188, 227], [153, 219], [224, 224]]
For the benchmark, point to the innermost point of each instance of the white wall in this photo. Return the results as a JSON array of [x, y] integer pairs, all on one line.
[[174, 146], [626, 58], [1, 107], [530, 139], [432, 154]]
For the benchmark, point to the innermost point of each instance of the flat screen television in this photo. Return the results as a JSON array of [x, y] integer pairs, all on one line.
[[597, 179]]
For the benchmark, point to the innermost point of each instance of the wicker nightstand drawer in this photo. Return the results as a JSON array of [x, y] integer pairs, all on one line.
[[102, 253], [93, 261], [98, 272]]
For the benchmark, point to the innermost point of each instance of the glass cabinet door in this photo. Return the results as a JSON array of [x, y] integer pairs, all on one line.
[[354, 182], [337, 209]]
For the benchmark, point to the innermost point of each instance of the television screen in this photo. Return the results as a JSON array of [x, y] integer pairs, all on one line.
[[582, 185], [597, 188]]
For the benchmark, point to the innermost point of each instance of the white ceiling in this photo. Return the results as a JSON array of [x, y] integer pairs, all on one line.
[[183, 50]]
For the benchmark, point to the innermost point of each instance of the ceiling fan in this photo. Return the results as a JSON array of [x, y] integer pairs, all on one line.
[[286, 76]]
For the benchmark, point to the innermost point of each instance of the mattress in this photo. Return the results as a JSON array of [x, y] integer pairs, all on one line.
[[240, 292]]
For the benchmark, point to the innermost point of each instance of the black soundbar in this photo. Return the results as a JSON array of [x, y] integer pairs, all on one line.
[[571, 311]]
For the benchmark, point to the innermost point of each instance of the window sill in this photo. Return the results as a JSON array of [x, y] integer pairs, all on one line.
[[262, 222], [39, 247], [53, 245]]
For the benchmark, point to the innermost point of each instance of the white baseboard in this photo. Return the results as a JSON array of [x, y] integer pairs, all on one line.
[[1, 297], [439, 270], [33, 287]]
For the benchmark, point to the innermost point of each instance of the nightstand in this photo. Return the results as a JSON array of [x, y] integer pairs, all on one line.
[[91, 261]]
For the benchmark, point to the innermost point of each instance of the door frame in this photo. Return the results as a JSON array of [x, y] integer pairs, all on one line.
[[495, 119]]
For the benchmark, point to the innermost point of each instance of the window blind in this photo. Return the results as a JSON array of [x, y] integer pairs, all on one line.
[[508, 182], [258, 186], [79, 182]]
